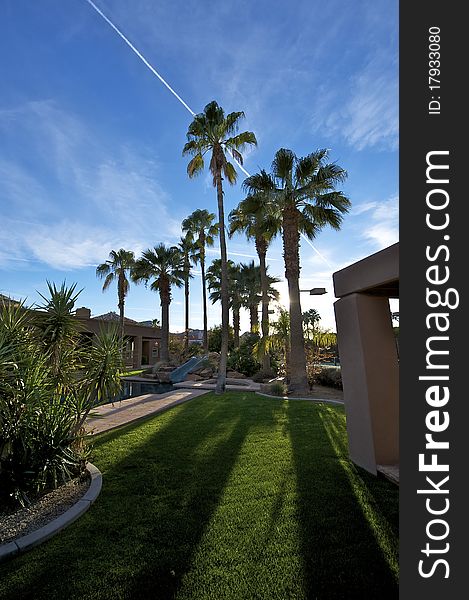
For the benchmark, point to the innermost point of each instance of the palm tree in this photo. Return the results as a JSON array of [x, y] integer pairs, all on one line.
[[165, 267], [212, 131], [235, 291], [188, 251], [251, 284], [303, 190], [119, 266], [310, 319], [254, 217], [199, 228]]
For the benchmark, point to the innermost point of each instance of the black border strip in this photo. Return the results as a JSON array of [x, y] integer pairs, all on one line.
[[433, 120]]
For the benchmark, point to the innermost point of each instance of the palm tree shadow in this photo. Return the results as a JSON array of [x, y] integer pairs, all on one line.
[[348, 520], [175, 487]]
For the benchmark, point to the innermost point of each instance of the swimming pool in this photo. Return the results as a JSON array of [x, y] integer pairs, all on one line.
[[131, 389]]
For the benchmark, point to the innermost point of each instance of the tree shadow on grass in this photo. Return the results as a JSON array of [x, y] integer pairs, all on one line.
[[348, 519], [163, 480]]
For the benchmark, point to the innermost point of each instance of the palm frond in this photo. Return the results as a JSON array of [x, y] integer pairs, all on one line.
[[196, 165], [109, 279], [230, 172], [232, 122], [240, 141], [283, 163], [103, 269], [260, 182]]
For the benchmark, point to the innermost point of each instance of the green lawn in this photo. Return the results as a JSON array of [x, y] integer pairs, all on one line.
[[233, 496]]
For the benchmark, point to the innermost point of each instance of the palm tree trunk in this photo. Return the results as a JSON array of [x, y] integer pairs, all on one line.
[[236, 326], [253, 318], [121, 306], [164, 326], [291, 245], [265, 303], [221, 379], [204, 300], [186, 295], [287, 360]]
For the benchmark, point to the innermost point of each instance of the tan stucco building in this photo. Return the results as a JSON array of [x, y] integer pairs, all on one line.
[[369, 358], [142, 341]]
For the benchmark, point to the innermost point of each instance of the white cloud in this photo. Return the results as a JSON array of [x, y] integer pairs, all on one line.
[[382, 226], [365, 111], [115, 187]]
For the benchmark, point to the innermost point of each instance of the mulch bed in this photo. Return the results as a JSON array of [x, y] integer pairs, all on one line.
[[42, 511]]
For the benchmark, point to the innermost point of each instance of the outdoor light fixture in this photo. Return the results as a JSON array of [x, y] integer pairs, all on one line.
[[315, 291]]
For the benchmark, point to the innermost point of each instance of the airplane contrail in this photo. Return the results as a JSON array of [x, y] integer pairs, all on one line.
[[141, 57], [149, 66], [175, 94], [317, 251]]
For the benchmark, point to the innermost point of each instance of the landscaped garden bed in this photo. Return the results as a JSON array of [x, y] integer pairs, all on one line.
[[25, 520], [227, 496]]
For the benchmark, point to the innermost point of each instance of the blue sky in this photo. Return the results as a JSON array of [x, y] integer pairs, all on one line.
[[90, 140]]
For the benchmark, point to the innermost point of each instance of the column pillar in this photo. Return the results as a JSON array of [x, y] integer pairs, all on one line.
[[370, 376], [137, 361]]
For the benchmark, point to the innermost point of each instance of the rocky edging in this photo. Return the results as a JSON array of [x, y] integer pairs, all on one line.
[[26, 542]]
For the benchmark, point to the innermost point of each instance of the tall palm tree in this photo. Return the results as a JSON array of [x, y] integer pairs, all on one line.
[[164, 267], [251, 282], [303, 190], [235, 291], [189, 254], [212, 131], [200, 228], [260, 223], [118, 267]]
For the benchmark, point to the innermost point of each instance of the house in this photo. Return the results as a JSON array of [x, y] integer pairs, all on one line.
[[196, 336], [7, 300], [142, 341]]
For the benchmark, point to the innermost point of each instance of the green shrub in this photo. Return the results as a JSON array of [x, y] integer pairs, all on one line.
[[214, 338], [261, 376], [243, 359], [49, 382], [278, 389], [328, 376]]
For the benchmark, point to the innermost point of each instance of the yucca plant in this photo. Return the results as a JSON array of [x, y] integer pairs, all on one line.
[[49, 383]]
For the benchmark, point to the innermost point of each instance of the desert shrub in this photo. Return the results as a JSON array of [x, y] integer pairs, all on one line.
[[242, 359], [328, 376], [49, 383], [176, 348], [278, 389], [261, 376], [214, 339], [193, 350]]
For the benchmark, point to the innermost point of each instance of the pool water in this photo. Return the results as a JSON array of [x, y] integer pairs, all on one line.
[[131, 389]]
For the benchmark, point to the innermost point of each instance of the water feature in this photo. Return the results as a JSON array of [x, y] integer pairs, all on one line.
[[131, 389]]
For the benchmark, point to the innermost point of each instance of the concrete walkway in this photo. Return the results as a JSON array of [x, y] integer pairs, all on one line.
[[133, 409], [233, 385]]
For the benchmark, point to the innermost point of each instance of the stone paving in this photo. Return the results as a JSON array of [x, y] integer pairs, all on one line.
[[114, 415], [232, 384]]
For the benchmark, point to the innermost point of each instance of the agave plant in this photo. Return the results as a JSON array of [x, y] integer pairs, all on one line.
[[49, 383]]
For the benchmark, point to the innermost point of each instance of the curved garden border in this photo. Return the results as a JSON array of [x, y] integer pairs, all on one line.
[[26, 542]]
